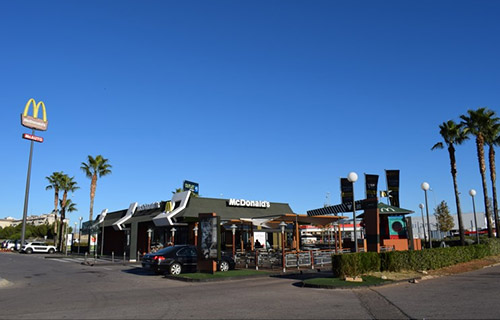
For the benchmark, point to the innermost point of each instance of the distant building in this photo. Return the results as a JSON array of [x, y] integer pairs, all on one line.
[[467, 219], [48, 218], [7, 222]]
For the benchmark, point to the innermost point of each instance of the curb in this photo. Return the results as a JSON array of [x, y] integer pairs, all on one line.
[[180, 278]]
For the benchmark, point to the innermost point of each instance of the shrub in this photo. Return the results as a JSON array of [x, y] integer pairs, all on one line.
[[354, 264]]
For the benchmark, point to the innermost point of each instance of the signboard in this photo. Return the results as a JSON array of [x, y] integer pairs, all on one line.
[[69, 242], [191, 186], [371, 182], [33, 122], [346, 191], [93, 244], [149, 206], [397, 227], [248, 203], [209, 230], [28, 136], [87, 227], [392, 177]]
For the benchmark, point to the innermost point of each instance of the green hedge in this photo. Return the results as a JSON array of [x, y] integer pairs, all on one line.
[[354, 264], [350, 264]]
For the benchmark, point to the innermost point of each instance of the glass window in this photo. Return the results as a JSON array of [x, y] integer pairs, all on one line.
[[165, 250], [184, 252], [192, 252]]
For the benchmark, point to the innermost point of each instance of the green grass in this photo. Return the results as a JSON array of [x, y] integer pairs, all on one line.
[[227, 274], [336, 282]]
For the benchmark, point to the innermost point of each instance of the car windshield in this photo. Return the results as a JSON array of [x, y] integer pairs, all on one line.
[[165, 250]]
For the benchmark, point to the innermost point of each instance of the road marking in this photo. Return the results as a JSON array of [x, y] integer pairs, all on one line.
[[60, 260]]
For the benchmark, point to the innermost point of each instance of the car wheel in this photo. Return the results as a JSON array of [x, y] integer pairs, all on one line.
[[29, 251], [224, 266], [175, 269], [51, 251]]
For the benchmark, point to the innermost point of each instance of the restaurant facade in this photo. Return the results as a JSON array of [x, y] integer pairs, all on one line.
[[141, 228]]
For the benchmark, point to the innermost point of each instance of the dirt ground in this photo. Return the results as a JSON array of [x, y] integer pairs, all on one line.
[[458, 268]]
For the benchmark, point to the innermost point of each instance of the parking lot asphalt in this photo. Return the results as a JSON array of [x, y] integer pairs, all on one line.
[[62, 287]]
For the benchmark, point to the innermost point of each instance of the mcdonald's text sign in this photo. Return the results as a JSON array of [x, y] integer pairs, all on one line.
[[32, 137], [33, 122]]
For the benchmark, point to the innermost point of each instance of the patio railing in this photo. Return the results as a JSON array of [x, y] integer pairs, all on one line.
[[293, 259]]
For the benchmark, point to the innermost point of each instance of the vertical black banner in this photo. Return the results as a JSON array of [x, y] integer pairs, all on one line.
[[346, 191], [371, 182], [392, 177]]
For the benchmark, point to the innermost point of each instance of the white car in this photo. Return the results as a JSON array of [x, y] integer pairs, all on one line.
[[31, 247], [12, 245]]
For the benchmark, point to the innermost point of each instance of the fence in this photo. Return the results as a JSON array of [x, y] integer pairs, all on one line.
[[301, 259]]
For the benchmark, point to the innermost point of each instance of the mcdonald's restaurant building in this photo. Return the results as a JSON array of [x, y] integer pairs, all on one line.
[[136, 229]]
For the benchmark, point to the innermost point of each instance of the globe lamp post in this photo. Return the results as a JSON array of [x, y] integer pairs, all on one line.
[[425, 186], [353, 177], [472, 193]]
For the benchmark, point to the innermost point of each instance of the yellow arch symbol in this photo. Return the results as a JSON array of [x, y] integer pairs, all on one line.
[[36, 106]]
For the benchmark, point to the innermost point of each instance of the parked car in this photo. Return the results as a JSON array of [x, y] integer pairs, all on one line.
[[31, 247], [11, 245], [180, 258]]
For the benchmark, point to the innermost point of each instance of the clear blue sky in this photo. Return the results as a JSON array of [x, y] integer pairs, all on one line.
[[261, 100]]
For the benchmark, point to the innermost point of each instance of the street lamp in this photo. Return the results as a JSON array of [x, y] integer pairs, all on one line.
[[283, 225], [472, 193], [195, 229], [80, 235], [150, 231], [353, 177], [425, 186], [233, 229], [421, 206], [173, 235]]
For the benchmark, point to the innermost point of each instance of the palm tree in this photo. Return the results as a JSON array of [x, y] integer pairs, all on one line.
[[54, 183], [94, 168], [69, 206], [453, 134], [67, 185], [492, 138], [476, 123]]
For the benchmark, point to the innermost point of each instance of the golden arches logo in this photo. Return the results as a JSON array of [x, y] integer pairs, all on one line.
[[34, 122]]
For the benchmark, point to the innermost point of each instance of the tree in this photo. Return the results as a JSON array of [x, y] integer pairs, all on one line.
[[68, 184], [476, 123], [95, 168], [492, 138], [443, 217], [453, 134], [54, 183]]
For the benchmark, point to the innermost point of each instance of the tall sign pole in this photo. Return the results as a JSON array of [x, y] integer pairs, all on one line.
[[26, 193], [34, 123]]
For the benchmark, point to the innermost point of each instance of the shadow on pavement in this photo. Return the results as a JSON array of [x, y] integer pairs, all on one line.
[[141, 272], [305, 274]]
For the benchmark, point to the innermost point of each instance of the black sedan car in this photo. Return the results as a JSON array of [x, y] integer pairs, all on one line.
[[179, 258]]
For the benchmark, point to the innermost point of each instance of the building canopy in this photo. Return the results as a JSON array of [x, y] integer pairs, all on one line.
[[385, 209]]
